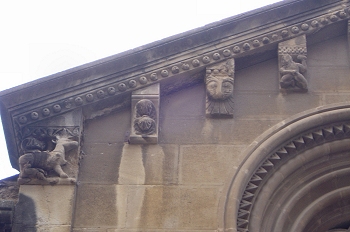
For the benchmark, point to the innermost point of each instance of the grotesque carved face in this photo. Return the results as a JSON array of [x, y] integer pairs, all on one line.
[[219, 87]]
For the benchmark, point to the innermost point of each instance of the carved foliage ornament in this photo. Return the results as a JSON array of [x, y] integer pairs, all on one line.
[[219, 81]]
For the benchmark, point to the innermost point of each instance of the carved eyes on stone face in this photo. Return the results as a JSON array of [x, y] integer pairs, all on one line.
[[219, 89]]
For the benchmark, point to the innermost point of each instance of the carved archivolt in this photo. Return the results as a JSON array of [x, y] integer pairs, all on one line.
[[287, 181]]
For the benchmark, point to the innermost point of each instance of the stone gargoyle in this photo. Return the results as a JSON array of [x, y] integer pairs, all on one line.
[[36, 164]]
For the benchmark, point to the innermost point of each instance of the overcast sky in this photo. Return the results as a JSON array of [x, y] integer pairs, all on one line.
[[39, 38]]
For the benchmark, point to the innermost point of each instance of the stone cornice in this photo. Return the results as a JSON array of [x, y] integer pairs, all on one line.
[[191, 61], [178, 56]]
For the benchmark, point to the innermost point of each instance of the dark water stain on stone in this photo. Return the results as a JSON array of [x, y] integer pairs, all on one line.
[[25, 215]]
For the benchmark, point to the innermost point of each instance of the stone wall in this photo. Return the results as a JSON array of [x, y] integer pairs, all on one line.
[[179, 184]]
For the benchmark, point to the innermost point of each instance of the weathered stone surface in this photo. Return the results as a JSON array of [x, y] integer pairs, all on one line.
[[148, 164], [95, 206], [336, 98], [208, 164], [274, 105], [111, 129], [132, 170], [262, 77], [138, 230], [179, 208], [41, 229], [329, 78], [181, 183], [44, 205], [329, 53], [100, 162]]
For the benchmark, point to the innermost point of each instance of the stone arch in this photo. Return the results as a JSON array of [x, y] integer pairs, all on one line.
[[295, 176]]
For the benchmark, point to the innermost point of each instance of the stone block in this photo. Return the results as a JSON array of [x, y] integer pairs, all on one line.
[[336, 98], [132, 170], [45, 205], [179, 208], [110, 128], [148, 164], [161, 164], [188, 103], [208, 164], [213, 131], [329, 78], [95, 206], [89, 230], [273, 104], [262, 77], [100, 163], [162, 230], [53, 229], [329, 53]]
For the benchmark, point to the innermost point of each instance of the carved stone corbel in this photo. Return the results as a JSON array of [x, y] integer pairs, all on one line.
[[292, 64], [348, 38], [219, 81], [145, 115], [48, 155]]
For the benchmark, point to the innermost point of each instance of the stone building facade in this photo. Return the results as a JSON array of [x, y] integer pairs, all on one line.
[[242, 125]]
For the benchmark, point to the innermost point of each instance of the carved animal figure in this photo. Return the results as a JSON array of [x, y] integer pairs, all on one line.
[[29, 172], [291, 72], [46, 160]]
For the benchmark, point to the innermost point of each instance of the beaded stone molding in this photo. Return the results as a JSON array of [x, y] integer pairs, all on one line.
[[237, 49], [299, 144]]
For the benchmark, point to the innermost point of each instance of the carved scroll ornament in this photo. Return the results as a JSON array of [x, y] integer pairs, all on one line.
[[219, 87]]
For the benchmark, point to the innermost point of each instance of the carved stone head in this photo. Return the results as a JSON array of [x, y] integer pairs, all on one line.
[[286, 59], [219, 85]]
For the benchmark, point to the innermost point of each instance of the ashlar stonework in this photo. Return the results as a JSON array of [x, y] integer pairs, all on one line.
[[242, 125]]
